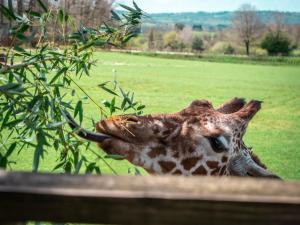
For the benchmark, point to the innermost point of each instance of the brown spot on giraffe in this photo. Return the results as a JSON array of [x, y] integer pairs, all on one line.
[[200, 171], [177, 172], [155, 152], [189, 163], [224, 159], [167, 166], [212, 164]]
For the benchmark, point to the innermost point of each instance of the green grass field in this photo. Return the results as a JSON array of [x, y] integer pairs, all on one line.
[[168, 85]]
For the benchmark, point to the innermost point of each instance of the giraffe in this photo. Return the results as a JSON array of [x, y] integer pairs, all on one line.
[[198, 140]]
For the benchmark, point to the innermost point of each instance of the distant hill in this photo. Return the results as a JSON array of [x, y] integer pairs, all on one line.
[[214, 20]]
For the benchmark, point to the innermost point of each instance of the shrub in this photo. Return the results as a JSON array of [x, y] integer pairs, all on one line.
[[172, 41], [229, 50], [139, 42], [259, 51], [276, 42], [197, 44], [222, 47]]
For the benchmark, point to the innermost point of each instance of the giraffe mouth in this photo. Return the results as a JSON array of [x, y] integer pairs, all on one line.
[[243, 165], [103, 132]]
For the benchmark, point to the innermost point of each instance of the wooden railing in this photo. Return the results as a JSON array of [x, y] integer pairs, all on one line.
[[147, 200]]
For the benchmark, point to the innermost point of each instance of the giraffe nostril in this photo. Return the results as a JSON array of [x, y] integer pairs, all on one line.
[[132, 119]]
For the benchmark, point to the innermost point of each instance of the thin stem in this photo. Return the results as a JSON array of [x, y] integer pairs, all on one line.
[[106, 163], [101, 109]]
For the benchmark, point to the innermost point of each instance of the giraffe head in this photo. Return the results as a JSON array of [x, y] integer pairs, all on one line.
[[198, 140]]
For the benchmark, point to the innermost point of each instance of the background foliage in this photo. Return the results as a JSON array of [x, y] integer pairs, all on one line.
[[37, 84], [276, 42]]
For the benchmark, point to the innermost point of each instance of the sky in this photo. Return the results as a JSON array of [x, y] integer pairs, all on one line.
[[158, 6]]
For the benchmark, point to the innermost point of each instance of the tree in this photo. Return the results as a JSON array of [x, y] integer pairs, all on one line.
[[276, 42], [179, 26], [295, 34], [172, 41], [186, 36], [197, 27], [247, 23], [87, 12], [151, 39], [39, 86], [197, 44]]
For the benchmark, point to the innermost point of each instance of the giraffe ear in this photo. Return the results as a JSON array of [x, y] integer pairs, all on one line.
[[249, 110], [232, 106]]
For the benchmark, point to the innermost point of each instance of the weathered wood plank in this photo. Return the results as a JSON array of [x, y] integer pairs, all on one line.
[[147, 200]]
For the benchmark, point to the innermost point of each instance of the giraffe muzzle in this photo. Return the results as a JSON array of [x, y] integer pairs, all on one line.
[[243, 165]]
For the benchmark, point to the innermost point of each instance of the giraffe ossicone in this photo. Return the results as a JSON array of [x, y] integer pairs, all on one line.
[[198, 140]]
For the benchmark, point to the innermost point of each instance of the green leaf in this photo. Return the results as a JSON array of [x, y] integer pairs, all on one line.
[[114, 156], [10, 86], [6, 118], [7, 13], [10, 149], [125, 95], [141, 107], [128, 8], [61, 16], [68, 167], [115, 15], [123, 104], [78, 166], [79, 110], [13, 123], [103, 86], [23, 28], [136, 6], [3, 162], [22, 37], [35, 14], [97, 169], [59, 165], [112, 105], [86, 46], [36, 158], [55, 124], [39, 149], [90, 167], [128, 37], [43, 48], [21, 50], [34, 100], [67, 105], [60, 72], [42, 4]]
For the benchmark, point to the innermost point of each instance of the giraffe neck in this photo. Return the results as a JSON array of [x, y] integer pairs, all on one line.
[[168, 161]]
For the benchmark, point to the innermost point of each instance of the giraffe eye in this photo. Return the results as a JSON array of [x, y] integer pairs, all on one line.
[[218, 144]]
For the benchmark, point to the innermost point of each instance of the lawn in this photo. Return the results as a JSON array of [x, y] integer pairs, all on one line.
[[168, 85]]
